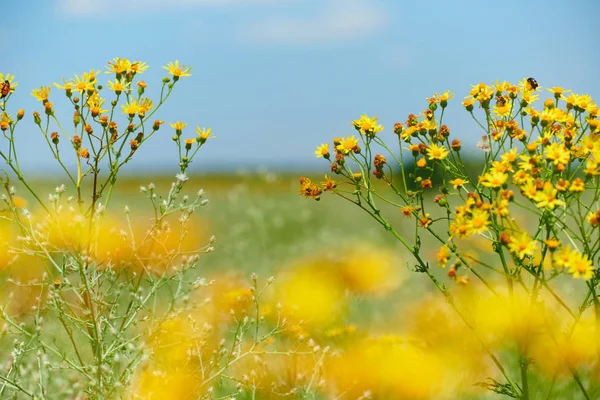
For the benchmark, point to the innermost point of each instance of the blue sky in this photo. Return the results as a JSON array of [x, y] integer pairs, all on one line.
[[274, 78]]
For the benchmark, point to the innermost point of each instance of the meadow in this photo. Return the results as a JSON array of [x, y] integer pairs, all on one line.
[[407, 269]]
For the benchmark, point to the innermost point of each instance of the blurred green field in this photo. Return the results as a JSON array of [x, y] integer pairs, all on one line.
[[263, 226]]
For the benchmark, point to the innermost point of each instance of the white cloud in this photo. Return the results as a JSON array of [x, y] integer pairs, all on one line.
[[94, 7], [337, 20], [331, 21]]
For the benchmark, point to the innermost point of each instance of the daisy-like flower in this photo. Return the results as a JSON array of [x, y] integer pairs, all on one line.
[[130, 108], [479, 221], [347, 144], [577, 186], [557, 91], [525, 84], [457, 182], [580, 266], [367, 125], [522, 245], [118, 66], [82, 84], [95, 103], [176, 70], [42, 93], [178, 126], [447, 95], [119, 85], [468, 103], [66, 86], [181, 177], [548, 197], [309, 190], [144, 105], [436, 152], [203, 134], [5, 121], [558, 154], [138, 67], [91, 76], [328, 184], [11, 79], [407, 211], [322, 150], [494, 179]]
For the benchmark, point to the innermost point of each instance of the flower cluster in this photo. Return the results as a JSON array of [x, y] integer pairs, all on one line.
[[534, 201]]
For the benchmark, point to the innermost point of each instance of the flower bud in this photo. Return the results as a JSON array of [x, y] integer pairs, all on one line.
[[48, 108], [398, 128], [456, 145], [54, 136], [36, 118], [20, 114]]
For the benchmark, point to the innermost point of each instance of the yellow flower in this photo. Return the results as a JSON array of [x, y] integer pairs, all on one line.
[[91, 76], [548, 197], [562, 257], [178, 125], [558, 153], [119, 86], [458, 182], [436, 152], [468, 103], [42, 93], [521, 245], [131, 108], [407, 211], [510, 156], [82, 84], [479, 221], [578, 185], [493, 179], [67, 86], [580, 266], [5, 121], [203, 133], [94, 104], [367, 125], [118, 66], [322, 150], [177, 71], [11, 79], [443, 255], [447, 95], [521, 177], [144, 105], [557, 91], [138, 67], [347, 144]]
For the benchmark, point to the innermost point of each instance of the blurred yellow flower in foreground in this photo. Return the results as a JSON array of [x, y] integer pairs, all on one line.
[[311, 294], [368, 270], [387, 370]]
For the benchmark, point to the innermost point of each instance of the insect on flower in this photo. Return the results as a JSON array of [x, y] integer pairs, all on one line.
[[533, 83], [500, 101], [5, 89]]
